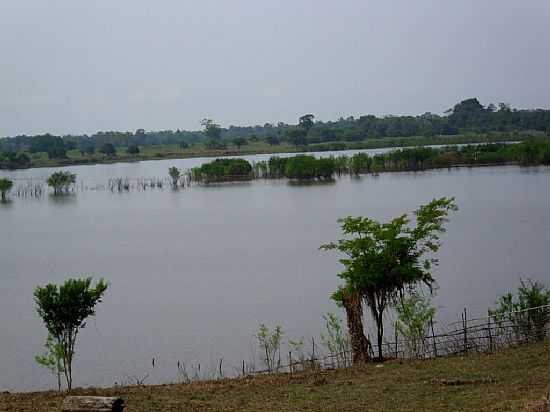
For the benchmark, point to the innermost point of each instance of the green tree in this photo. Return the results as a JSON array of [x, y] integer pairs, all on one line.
[[212, 130], [528, 312], [5, 187], [414, 314], [270, 345], [239, 141], [108, 149], [296, 136], [384, 260], [61, 181], [52, 359], [175, 175], [133, 149], [306, 122], [64, 310]]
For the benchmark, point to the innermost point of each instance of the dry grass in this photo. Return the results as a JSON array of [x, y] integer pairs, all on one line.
[[513, 380]]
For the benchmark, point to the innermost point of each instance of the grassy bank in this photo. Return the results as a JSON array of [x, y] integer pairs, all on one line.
[[158, 152], [512, 380]]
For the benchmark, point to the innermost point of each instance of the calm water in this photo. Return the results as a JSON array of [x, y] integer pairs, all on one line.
[[194, 272]]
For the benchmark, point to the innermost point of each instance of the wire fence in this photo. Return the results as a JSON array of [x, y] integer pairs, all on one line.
[[487, 334]]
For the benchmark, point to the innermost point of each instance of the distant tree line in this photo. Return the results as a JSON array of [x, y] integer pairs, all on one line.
[[467, 116]]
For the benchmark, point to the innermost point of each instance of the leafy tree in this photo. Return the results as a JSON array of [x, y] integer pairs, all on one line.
[[175, 175], [64, 310], [336, 340], [108, 149], [212, 130], [52, 359], [306, 122], [5, 187], [183, 145], [239, 141], [270, 345], [528, 311], [215, 144], [384, 260], [414, 314], [133, 149], [61, 181]]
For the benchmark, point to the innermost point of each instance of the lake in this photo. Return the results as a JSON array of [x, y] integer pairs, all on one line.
[[194, 272]]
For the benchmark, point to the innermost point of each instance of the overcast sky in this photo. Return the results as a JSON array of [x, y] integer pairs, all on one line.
[[75, 66]]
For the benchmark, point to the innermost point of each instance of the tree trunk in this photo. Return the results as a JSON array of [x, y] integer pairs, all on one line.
[[359, 342]]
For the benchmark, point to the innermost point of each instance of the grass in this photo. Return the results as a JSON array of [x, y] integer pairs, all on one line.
[[507, 381], [259, 147]]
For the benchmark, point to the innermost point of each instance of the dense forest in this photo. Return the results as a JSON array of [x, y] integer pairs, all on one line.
[[468, 116]]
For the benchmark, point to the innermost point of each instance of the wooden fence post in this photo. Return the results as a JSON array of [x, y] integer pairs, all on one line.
[[433, 337], [465, 323], [396, 351], [290, 361], [489, 330]]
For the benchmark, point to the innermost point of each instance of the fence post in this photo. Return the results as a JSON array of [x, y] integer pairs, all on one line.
[[313, 350], [396, 353], [465, 323], [489, 330], [244, 373], [290, 361], [433, 336]]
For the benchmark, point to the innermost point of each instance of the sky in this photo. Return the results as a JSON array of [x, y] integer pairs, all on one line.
[[76, 66]]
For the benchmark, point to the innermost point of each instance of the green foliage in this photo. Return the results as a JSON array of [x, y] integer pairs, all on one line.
[[239, 141], [383, 260], [306, 122], [296, 136], [132, 149], [5, 186], [211, 130], [304, 167], [270, 346], [175, 175], [64, 310], [215, 145], [529, 311], [223, 169], [52, 359], [414, 314], [108, 149], [61, 181], [336, 340]]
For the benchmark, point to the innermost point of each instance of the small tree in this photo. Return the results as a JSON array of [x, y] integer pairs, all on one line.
[[270, 344], [61, 181], [52, 359], [414, 314], [336, 340], [64, 310], [528, 312], [175, 175], [5, 187], [383, 260]]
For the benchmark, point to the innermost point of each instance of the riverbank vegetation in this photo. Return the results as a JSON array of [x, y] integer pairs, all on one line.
[[467, 122], [515, 379]]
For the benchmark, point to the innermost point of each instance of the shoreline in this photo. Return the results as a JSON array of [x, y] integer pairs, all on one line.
[[390, 143]]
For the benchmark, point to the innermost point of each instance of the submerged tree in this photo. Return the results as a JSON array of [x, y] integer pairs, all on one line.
[[61, 181], [5, 187], [64, 310], [383, 260], [175, 175]]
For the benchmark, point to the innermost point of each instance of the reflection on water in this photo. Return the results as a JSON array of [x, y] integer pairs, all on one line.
[[193, 272], [63, 199]]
